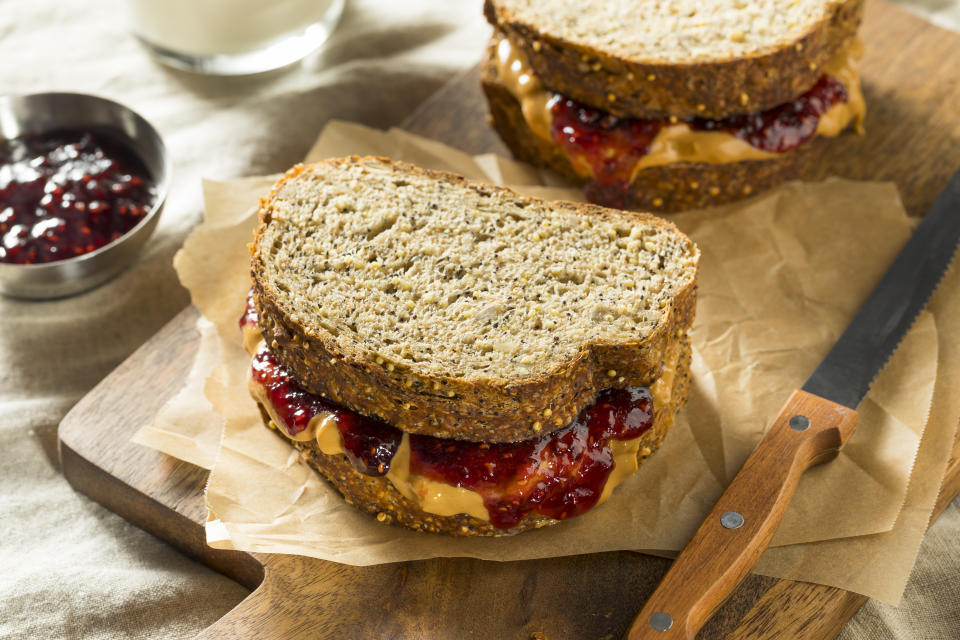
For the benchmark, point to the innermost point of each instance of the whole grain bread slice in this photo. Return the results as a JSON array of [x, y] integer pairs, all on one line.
[[459, 309], [655, 59], [377, 496], [661, 189]]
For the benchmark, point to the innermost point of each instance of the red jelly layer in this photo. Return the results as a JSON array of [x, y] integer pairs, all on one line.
[[612, 146], [250, 315], [782, 128], [66, 194], [559, 474], [370, 445]]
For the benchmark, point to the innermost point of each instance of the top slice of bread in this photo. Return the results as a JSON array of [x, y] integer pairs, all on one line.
[[460, 309], [661, 58]]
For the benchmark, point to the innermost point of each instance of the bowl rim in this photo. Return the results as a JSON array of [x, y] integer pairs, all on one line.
[[162, 186]]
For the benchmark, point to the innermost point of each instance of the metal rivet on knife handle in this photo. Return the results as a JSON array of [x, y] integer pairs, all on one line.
[[661, 621], [799, 423], [731, 520]]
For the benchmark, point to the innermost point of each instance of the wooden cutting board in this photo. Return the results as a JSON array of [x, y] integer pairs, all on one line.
[[912, 84]]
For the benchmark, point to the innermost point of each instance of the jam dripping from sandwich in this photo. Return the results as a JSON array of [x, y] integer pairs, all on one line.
[[250, 315], [369, 444], [612, 146], [559, 474], [66, 194]]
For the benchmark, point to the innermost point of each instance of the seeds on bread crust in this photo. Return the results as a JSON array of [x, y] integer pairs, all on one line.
[[679, 67], [458, 309]]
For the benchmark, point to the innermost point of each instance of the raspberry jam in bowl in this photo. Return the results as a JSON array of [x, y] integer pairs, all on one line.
[[82, 183]]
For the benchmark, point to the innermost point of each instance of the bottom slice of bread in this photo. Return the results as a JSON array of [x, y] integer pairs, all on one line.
[[666, 188], [377, 496]]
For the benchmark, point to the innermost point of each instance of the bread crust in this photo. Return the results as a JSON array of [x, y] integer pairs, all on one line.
[[377, 496], [477, 409], [655, 90], [665, 188]]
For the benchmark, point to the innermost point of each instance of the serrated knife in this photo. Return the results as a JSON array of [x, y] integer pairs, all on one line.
[[811, 428]]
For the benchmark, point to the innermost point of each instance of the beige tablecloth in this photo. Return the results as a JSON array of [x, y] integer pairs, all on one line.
[[69, 568]]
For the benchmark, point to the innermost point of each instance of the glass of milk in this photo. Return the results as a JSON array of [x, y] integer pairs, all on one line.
[[233, 37]]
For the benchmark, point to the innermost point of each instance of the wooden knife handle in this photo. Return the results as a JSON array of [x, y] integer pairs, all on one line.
[[809, 430]]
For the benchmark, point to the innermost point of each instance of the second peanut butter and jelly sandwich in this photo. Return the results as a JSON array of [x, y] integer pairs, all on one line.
[[670, 105]]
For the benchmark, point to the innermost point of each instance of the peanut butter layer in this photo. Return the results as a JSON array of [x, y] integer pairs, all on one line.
[[677, 143], [443, 499]]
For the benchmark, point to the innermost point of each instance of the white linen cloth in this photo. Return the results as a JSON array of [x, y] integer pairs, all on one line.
[[71, 569]]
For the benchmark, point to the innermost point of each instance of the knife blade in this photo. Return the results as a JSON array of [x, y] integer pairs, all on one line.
[[811, 428], [845, 374]]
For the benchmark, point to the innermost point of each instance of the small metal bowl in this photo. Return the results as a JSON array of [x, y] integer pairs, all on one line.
[[51, 112]]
